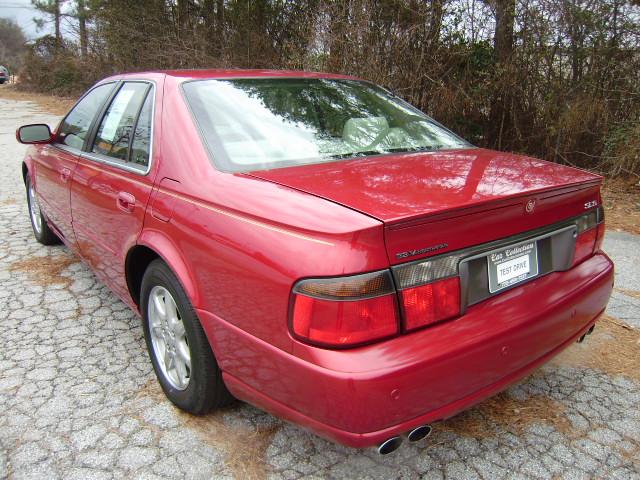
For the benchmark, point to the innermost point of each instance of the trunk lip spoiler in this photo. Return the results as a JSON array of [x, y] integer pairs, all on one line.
[[495, 204]]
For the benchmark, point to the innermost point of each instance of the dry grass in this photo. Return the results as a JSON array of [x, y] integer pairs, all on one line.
[[629, 293], [48, 103], [46, 270], [613, 348], [621, 200], [508, 413], [244, 448]]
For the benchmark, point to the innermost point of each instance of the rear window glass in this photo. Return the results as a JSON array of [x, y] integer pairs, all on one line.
[[258, 124]]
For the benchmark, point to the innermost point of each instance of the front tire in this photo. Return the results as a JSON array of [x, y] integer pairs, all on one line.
[[41, 229], [179, 349]]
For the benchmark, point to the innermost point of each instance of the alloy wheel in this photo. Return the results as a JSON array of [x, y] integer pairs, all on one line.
[[168, 338], [34, 210]]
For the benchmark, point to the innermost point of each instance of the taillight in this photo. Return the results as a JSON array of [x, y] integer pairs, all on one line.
[[345, 311], [431, 303], [589, 235], [429, 291], [601, 230]]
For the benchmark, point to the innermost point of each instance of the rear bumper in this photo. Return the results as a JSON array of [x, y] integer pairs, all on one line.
[[363, 396]]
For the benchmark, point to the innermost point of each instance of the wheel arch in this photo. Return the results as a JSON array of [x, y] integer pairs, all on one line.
[[151, 246], [25, 172]]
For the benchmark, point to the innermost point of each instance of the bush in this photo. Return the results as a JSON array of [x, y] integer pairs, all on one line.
[[57, 70]]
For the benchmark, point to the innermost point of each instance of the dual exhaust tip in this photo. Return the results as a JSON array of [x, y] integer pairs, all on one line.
[[589, 332], [415, 435]]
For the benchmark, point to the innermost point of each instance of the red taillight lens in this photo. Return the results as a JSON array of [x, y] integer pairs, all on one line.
[[347, 311], [584, 245], [343, 323], [429, 290], [599, 237], [590, 234], [601, 229], [427, 304]]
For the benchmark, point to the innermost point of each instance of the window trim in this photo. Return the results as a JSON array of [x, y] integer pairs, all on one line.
[[105, 159]]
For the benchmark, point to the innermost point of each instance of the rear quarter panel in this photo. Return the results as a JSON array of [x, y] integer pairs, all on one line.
[[242, 242]]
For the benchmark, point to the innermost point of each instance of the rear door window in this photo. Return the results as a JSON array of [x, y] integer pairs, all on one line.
[[141, 145], [116, 129]]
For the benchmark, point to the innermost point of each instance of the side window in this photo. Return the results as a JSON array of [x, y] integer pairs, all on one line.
[[141, 145], [74, 128], [116, 128]]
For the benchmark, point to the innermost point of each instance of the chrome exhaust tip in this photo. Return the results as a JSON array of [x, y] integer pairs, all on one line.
[[390, 445], [581, 339], [590, 331], [418, 433]]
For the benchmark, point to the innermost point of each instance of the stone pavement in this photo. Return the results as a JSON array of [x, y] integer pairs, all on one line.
[[78, 398], [624, 248]]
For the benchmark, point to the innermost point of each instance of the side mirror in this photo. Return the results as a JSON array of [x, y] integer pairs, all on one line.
[[33, 134]]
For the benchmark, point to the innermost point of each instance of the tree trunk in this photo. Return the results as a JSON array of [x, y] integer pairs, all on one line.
[[220, 16], [501, 116], [82, 27], [183, 16], [503, 38], [435, 23], [56, 19], [209, 19]]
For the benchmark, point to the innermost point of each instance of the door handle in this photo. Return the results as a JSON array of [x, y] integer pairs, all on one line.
[[126, 202], [65, 174]]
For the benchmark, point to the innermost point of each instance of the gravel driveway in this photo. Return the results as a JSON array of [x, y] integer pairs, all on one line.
[[78, 398]]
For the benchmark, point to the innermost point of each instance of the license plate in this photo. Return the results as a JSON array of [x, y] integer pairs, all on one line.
[[512, 265]]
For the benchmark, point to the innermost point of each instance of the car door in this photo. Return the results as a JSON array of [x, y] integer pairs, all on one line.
[[56, 162], [111, 183]]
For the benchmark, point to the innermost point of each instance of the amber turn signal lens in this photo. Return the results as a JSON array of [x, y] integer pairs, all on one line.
[[354, 286]]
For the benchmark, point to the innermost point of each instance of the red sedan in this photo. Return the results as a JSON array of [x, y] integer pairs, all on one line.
[[315, 246]]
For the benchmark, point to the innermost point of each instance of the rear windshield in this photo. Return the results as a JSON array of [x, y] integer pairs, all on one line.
[[260, 124]]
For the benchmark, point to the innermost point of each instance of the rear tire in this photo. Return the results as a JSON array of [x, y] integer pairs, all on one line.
[[179, 349], [41, 229]]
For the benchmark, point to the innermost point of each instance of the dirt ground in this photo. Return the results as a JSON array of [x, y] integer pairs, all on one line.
[[48, 103], [621, 198]]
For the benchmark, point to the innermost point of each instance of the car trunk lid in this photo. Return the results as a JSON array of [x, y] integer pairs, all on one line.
[[436, 202]]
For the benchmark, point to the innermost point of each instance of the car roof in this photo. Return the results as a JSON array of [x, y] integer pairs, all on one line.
[[233, 73]]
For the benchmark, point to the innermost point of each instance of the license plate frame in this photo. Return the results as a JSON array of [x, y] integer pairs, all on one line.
[[512, 265]]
